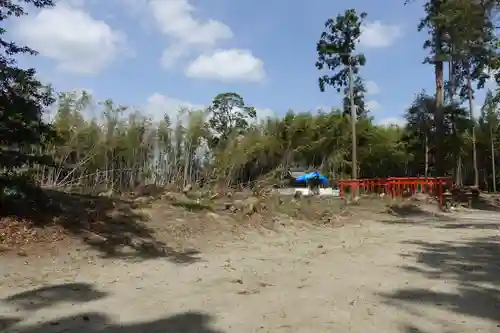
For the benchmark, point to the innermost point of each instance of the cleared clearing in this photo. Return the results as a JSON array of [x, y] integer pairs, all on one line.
[[425, 274]]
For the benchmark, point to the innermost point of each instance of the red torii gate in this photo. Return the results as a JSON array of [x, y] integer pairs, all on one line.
[[397, 186]]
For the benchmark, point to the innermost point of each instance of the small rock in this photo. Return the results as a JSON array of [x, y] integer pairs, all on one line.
[[248, 292], [214, 216], [142, 200], [107, 194], [187, 188]]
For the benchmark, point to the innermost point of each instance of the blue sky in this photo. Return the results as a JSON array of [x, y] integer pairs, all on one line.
[[163, 54]]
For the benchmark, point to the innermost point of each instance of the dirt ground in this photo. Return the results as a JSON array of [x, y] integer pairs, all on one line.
[[426, 274]]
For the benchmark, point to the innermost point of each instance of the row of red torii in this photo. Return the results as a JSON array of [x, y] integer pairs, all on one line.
[[397, 187]]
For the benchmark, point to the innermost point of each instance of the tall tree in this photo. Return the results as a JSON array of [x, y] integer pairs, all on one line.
[[491, 119], [435, 24], [22, 99], [472, 38], [420, 129], [229, 114], [460, 31], [336, 53], [420, 125]]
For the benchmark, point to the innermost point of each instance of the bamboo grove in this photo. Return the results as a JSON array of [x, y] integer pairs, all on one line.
[[228, 143], [123, 148]]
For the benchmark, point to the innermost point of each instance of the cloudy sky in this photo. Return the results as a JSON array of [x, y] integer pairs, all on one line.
[[165, 54]]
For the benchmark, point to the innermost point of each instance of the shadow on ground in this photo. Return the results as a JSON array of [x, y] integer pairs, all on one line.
[[485, 221], [413, 214], [474, 266], [92, 322], [6, 322], [450, 223], [47, 296], [185, 322], [490, 204], [114, 227], [472, 225]]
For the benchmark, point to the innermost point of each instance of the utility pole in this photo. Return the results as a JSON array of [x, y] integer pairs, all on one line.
[[353, 122]]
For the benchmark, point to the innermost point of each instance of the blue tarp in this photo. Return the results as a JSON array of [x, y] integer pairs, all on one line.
[[309, 176]]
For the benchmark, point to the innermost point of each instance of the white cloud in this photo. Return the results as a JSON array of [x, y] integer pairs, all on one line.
[[265, 113], [170, 55], [378, 35], [490, 82], [190, 35], [176, 19], [391, 121], [76, 3], [228, 65], [476, 110], [70, 36], [373, 105], [372, 88], [159, 105]]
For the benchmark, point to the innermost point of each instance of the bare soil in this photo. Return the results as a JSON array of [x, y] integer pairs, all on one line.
[[422, 273]]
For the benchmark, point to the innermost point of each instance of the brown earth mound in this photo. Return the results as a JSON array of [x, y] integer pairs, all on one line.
[[159, 223]]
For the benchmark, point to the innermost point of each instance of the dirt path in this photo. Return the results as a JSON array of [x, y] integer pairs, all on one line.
[[423, 276]]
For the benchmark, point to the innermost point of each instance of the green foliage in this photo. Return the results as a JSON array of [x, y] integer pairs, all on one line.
[[435, 23], [420, 139], [22, 100], [489, 111], [123, 148], [229, 115], [336, 48], [359, 91], [463, 33], [489, 138], [472, 42]]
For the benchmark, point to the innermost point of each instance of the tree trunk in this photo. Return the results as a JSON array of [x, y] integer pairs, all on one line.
[[439, 117], [474, 151], [459, 180], [426, 168], [353, 124], [451, 93], [186, 165], [493, 169]]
